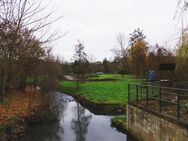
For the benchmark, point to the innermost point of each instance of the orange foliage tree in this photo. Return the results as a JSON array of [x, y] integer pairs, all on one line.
[[137, 52]]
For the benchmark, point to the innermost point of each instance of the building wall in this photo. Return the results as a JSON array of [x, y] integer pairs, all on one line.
[[149, 127]]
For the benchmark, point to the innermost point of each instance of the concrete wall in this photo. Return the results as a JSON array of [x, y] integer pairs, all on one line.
[[149, 127]]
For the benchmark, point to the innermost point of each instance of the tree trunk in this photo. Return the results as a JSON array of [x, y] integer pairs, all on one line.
[[22, 83], [4, 81]]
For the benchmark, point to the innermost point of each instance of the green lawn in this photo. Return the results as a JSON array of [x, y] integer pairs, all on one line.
[[106, 92]]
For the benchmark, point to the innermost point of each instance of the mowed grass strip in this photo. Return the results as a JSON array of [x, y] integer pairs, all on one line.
[[106, 92], [112, 76]]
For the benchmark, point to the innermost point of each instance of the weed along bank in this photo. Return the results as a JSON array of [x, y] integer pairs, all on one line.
[[157, 113]]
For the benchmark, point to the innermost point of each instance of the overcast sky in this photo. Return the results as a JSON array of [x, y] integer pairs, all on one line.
[[97, 22]]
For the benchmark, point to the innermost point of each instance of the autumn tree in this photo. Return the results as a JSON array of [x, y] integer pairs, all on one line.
[[137, 53]]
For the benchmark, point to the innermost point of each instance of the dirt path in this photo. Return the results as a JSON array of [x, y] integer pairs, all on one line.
[[70, 77]]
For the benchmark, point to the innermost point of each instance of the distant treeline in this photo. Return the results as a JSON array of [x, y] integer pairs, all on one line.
[[137, 58]]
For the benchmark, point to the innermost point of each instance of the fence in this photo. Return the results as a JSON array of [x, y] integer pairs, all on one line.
[[166, 101]]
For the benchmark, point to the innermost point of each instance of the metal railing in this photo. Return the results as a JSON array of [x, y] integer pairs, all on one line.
[[171, 102]]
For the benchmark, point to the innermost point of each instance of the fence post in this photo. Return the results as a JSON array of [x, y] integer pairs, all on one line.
[[137, 93], [147, 96], [178, 105], [160, 100], [128, 92], [141, 91]]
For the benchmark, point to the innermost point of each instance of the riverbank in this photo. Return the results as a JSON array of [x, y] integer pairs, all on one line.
[[92, 101], [110, 94], [19, 109], [119, 122]]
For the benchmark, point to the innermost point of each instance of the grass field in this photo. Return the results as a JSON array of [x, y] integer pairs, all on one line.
[[112, 76], [105, 92]]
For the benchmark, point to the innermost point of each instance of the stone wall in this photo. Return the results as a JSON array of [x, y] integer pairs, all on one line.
[[147, 126]]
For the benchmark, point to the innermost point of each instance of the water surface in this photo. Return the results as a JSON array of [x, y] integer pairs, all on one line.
[[76, 123]]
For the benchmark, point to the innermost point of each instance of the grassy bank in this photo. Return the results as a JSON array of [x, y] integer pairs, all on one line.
[[103, 92], [119, 122]]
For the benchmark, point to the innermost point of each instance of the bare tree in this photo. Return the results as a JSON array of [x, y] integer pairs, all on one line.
[[92, 66], [121, 54], [181, 14], [182, 6], [29, 14], [21, 21], [80, 122], [182, 57], [81, 63], [182, 46]]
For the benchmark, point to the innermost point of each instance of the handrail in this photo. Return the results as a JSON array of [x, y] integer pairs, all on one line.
[[161, 94], [171, 88]]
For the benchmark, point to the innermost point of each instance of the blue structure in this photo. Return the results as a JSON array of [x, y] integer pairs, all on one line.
[[151, 76]]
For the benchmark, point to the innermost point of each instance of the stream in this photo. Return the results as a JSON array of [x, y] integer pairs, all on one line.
[[75, 123]]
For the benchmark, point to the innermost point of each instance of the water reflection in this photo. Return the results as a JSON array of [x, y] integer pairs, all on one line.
[[80, 122], [60, 104], [46, 132], [75, 124]]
